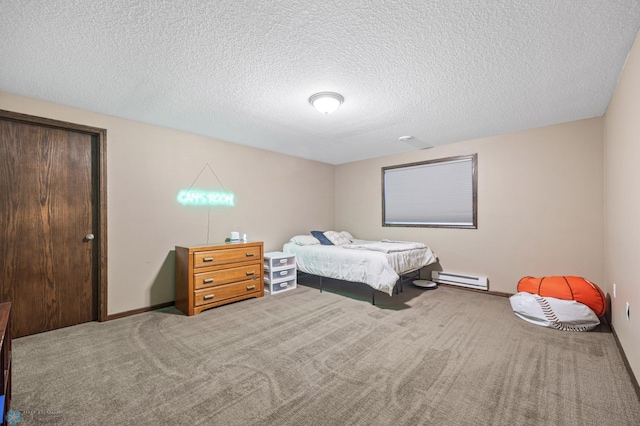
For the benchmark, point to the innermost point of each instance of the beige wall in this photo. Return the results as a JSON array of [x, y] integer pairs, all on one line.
[[622, 206], [276, 196], [540, 195], [540, 202]]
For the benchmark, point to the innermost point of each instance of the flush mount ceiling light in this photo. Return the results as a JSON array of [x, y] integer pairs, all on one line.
[[326, 102]]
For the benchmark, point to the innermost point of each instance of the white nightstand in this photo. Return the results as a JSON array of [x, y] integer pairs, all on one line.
[[279, 272]]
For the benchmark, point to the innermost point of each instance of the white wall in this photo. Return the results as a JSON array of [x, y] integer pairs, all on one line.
[[276, 196], [540, 195], [622, 206]]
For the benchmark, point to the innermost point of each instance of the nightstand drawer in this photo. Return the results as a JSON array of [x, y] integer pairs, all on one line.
[[226, 276], [279, 272], [274, 288], [277, 262], [280, 275], [215, 294], [203, 259]]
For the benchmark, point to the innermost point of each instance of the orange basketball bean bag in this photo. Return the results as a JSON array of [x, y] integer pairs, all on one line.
[[567, 288]]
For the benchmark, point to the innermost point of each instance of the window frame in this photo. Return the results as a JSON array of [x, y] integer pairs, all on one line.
[[474, 188]]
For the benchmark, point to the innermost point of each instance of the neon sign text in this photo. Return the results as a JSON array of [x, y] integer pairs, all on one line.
[[202, 198]]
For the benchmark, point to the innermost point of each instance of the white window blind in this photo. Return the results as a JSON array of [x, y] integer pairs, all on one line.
[[439, 193]]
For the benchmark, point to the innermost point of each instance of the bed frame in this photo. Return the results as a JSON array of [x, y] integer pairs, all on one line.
[[405, 276]]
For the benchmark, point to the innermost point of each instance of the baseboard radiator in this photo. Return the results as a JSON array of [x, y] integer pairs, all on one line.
[[462, 280]]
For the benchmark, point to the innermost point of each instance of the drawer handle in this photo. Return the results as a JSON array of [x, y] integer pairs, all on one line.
[[283, 260], [284, 285], [207, 259], [251, 272], [250, 254], [207, 281], [251, 287], [209, 296], [283, 273]]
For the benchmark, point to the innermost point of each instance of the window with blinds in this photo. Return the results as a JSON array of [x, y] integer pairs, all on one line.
[[436, 193]]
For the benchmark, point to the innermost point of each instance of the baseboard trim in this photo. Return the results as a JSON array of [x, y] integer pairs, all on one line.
[[627, 366], [139, 311]]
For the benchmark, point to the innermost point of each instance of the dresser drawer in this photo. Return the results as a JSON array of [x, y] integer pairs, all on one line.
[[215, 294], [226, 276], [203, 259]]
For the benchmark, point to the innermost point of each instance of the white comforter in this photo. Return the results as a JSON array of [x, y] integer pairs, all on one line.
[[376, 268], [385, 246]]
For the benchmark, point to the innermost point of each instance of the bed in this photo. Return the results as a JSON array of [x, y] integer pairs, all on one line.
[[379, 264]]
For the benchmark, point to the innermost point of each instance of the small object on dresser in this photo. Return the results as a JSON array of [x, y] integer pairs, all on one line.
[[279, 272]]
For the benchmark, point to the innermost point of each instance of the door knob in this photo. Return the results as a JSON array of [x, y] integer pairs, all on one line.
[[89, 237]]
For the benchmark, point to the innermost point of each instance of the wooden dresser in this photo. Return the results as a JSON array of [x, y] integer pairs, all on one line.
[[212, 275]]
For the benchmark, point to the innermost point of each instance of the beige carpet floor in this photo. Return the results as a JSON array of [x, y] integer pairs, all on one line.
[[436, 357]]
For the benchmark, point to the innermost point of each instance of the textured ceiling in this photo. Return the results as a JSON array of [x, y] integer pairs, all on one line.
[[442, 71]]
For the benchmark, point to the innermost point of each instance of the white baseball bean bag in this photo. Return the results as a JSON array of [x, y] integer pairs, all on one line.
[[567, 315]]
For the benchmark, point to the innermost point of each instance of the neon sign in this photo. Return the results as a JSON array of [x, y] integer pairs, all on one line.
[[203, 198]]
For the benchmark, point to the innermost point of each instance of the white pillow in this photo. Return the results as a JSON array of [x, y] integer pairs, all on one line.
[[304, 240], [567, 315], [348, 235], [337, 238]]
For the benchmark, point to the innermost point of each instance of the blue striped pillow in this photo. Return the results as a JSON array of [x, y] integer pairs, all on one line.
[[320, 236]]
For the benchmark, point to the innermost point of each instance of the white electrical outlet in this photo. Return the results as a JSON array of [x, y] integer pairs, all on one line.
[[627, 311], [614, 290]]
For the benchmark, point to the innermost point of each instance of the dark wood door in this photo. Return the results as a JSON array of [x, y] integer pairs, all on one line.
[[47, 209]]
